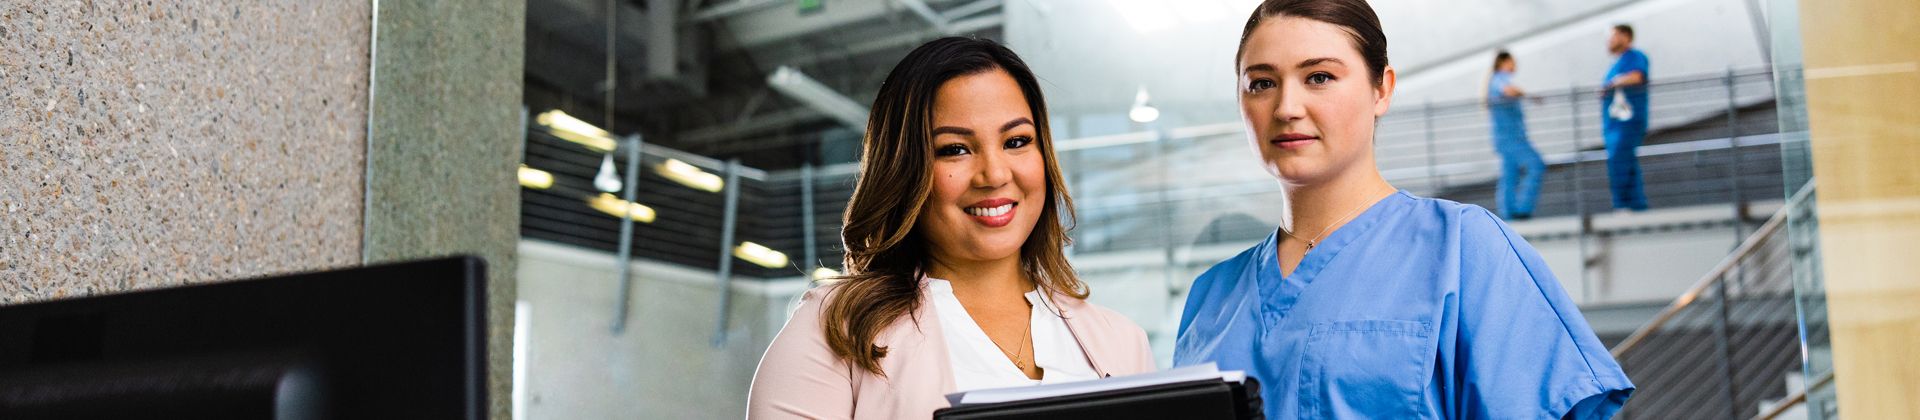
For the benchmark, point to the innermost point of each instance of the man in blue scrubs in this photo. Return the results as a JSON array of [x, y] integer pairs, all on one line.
[[1625, 128], [1417, 308]]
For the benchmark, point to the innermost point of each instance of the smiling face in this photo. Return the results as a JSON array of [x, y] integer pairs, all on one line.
[[1308, 100], [988, 173]]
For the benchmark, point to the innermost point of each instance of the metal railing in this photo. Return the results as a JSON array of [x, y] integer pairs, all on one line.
[[1729, 341], [1713, 142], [1131, 186], [1166, 191], [1795, 399]]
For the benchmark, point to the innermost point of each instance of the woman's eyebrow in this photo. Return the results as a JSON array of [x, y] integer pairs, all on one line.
[[1015, 123], [947, 129], [1318, 61]]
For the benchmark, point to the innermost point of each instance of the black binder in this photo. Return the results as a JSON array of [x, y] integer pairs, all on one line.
[[1199, 400]]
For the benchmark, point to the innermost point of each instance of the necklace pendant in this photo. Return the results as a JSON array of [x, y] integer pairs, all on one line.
[[1310, 244]]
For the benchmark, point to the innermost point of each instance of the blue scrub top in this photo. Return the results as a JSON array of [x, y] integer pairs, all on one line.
[[1417, 308], [1509, 120], [1630, 61]]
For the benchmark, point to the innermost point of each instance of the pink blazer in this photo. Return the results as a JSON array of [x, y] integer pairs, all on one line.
[[800, 378]]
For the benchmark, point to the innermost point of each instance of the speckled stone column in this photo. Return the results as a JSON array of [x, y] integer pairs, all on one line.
[[155, 144], [445, 146]]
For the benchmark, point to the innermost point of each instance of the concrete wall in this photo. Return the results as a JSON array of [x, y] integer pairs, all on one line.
[[664, 364], [444, 146], [153, 144]]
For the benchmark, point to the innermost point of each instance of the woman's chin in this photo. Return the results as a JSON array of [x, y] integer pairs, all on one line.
[[991, 249], [1294, 172]]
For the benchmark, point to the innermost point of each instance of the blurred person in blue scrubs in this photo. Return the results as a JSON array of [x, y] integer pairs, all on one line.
[[1624, 119], [1520, 165], [1370, 302]]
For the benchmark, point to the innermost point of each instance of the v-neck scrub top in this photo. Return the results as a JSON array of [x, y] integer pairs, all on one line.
[[1416, 308]]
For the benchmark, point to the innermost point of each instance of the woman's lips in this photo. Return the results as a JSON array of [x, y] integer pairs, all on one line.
[[1292, 141], [992, 213]]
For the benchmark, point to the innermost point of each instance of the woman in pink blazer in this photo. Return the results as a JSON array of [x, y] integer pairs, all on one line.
[[955, 275]]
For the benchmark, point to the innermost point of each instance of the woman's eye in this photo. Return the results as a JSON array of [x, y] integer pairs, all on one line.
[[1260, 85], [1018, 142], [1319, 78], [950, 150]]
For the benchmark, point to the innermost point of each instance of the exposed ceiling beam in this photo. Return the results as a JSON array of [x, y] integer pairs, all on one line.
[[926, 13], [769, 26], [969, 9], [730, 9], [588, 16], [750, 126], [898, 41], [812, 93]]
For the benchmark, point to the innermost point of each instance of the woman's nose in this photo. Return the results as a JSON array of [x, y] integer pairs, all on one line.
[[993, 171]]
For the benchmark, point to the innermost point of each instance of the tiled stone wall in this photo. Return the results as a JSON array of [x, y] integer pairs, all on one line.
[[151, 144]]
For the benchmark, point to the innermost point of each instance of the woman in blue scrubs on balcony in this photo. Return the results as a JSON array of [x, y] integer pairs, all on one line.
[[1370, 302]]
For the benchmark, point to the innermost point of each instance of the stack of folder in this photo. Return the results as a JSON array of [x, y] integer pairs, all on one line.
[[1194, 392]]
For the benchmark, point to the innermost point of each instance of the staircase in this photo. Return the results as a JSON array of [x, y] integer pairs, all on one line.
[[1728, 347]]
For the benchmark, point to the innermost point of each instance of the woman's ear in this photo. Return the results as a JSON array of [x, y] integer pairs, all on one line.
[[1384, 92]]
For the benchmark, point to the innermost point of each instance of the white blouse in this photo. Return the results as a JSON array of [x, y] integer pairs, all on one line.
[[979, 364]]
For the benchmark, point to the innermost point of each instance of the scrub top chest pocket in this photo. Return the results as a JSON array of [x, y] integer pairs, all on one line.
[[1366, 369]]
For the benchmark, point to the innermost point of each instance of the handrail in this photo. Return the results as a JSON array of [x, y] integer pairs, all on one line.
[[1204, 130], [1794, 400], [1717, 274]]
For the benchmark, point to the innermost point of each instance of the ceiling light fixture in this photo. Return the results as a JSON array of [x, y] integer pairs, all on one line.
[[1142, 112], [568, 128], [535, 178], [823, 273], [690, 176], [760, 255], [614, 206], [608, 180]]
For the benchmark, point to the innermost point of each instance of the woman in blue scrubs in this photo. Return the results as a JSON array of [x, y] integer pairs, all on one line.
[[1520, 165], [1370, 302]]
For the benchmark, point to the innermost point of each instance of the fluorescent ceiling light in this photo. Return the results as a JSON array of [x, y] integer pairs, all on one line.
[[760, 255], [690, 176], [824, 273], [614, 206], [535, 178], [568, 128], [818, 96]]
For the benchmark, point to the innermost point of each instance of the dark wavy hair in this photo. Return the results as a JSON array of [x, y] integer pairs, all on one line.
[[885, 256]]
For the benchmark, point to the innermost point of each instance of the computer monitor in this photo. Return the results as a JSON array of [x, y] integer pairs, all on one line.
[[399, 341]]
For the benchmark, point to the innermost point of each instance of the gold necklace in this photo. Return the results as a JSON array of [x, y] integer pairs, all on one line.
[[1323, 232], [1025, 336]]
